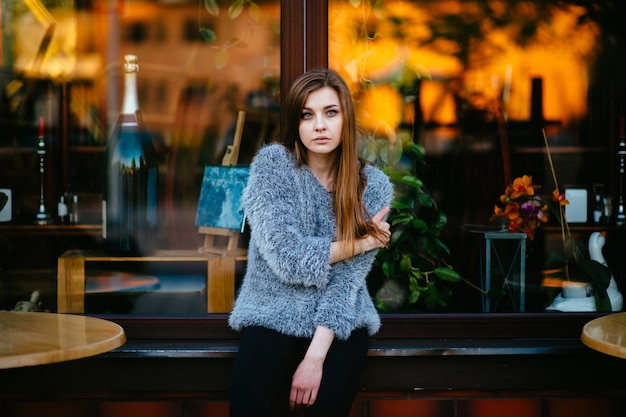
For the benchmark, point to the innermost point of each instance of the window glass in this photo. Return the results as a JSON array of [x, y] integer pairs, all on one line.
[[486, 93], [204, 67]]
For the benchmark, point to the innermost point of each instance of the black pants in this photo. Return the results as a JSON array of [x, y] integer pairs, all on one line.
[[267, 361]]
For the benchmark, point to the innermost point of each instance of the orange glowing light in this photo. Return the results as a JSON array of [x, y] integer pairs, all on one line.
[[369, 43]]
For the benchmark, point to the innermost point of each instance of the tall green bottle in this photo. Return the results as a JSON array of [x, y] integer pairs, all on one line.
[[129, 205]]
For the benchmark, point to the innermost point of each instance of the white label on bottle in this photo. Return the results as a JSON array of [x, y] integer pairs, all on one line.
[[597, 215], [62, 209]]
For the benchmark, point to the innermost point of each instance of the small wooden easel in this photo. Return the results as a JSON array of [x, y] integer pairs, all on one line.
[[225, 241]]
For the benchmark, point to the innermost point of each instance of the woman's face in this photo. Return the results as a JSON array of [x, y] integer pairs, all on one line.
[[321, 122]]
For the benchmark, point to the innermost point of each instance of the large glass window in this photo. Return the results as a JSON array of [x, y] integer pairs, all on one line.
[[472, 85], [204, 66], [484, 93]]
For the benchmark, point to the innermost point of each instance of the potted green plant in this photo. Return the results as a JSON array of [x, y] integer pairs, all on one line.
[[412, 271]]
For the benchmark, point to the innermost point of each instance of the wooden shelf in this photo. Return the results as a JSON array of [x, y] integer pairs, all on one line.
[[51, 230], [586, 228], [17, 150], [559, 150], [88, 149]]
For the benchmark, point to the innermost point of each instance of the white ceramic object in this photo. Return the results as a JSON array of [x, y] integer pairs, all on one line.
[[576, 297]]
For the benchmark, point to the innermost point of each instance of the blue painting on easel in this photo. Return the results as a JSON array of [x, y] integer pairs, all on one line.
[[220, 205]]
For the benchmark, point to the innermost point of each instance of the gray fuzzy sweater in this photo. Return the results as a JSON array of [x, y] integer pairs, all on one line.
[[290, 285]]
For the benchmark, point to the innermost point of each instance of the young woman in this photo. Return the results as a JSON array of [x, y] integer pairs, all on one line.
[[317, 217]]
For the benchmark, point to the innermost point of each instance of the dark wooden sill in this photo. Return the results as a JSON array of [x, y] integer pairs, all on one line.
[[227, 349], [395, 326]]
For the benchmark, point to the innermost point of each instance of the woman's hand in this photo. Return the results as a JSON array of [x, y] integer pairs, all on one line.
[[340, 250], [383, 226], [306, 381], [369, 243]]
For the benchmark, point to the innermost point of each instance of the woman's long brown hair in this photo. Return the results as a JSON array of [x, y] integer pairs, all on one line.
[[350, 181]]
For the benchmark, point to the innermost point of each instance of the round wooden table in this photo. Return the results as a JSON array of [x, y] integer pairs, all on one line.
[[606, 334], [28, 338]]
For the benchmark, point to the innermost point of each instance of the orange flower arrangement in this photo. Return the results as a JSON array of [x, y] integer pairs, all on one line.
[[522, 210]]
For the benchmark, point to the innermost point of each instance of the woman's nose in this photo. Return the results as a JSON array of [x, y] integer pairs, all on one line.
[[319, 123]]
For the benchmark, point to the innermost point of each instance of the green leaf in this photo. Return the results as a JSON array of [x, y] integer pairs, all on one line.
[[394, 175], [208, 35], [442, 247], [447, 274], [405, 264], [412, 181], [401, 218], [418, 152], [402, 202], [255, 12], [396, 235], [417, 275], [414, 296], [603, 302], [235, 9], [419, 224], [598, 274], [441, 221], [212, 7], [425, 200], [432, 296], [387, 268]]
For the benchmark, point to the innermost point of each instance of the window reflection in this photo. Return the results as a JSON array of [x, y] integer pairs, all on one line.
[[198, 68], [462, 49], [475, 83]]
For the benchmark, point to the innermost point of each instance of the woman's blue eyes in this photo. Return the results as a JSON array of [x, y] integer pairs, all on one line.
[[308, 115]]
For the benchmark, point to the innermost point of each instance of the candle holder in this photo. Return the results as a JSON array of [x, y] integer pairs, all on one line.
[[503, 274], [42, 217]]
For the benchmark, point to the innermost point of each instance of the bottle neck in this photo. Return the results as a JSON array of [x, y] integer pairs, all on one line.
[[130, 103]]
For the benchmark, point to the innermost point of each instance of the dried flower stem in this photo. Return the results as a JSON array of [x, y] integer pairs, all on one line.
[[545, 140], [563, 220]]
